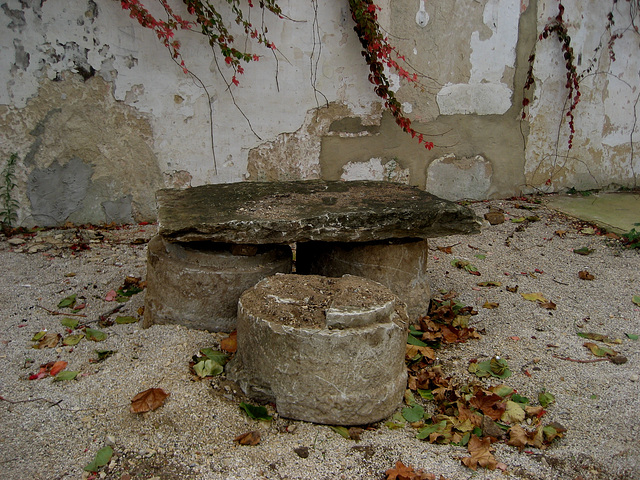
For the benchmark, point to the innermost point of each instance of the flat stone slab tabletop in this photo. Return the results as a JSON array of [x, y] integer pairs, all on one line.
[[315, 210]]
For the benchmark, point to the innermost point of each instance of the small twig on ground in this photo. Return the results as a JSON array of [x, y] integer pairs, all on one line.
[[105, 315], [593, 360], [53, 312], [558, 281]]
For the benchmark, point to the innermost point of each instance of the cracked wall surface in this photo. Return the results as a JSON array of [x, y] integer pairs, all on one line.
[[95, 107]]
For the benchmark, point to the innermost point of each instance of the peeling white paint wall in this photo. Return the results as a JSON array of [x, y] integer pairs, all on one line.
[[605, 117], [485, 93], [469, 52]]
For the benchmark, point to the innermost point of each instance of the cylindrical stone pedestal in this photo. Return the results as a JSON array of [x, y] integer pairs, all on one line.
[[325, 350], [198, 285], [400, 265]]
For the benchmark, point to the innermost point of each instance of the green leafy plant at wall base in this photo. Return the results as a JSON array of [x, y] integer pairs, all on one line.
[[9, 205]]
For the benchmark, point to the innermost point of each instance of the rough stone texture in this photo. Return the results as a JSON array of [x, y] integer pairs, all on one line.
[[401, 266], [200, 288], [316, 210], [351, 374], [453, 178]]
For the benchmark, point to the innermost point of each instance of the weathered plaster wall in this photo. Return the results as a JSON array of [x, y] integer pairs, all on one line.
[[101, 117], [607, 132]]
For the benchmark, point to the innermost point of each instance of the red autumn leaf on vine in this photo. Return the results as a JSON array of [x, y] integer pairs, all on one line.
[[230, 344], [150, 399]]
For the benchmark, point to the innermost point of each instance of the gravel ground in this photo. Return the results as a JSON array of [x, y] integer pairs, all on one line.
[[52, 430]]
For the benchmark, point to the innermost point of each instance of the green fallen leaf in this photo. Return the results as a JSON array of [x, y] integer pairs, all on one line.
[[598, 337], [95, 335], [502, 390], [518, 220], [534, 297], [582, 251], [65, 375], [519, 399], [480, 256], [104, 354], [38, 335], [70, 323], [426, 394], [411, 340], [215, 355], [413, 414], [123, 320], [255, 412], [636, 299], [435, 428], [342, 431], [490, 284], [71, 340], [600, 351], [208, 368], [496, 367], [68, 302], [545, 398], [102, 458], [632, 336]]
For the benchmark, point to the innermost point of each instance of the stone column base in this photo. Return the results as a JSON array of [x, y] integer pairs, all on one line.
[[400, 265], [325, 350], [198, 286]]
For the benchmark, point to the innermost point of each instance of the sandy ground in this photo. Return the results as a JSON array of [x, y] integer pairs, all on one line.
[[53, 429]]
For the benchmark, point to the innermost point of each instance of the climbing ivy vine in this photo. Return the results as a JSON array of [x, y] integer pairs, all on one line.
[[211, 20]]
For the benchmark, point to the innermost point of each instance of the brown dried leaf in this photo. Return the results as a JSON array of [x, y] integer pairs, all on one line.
[[549, 305], [489, 403], [480, 450], [402, 472], [249, 438], [150, 399], [230, 344], [445, 249], [413, 350], [512, 289], [585, 275], [490, 305], [50, 340]]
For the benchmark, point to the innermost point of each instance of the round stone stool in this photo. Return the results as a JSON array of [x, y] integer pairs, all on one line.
[[198, 286], [325, 350], [400, 265]]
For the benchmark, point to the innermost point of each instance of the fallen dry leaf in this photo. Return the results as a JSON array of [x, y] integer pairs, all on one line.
[[57, 367], [249, 438], [584, 275], [490, 404], [480, 450], [548, 305], [402, 472], [230, 344], [50, 340], [445, 249], [490, 305], [148, 400]]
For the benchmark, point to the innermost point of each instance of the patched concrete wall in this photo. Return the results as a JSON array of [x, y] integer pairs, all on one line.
[[101, 117]]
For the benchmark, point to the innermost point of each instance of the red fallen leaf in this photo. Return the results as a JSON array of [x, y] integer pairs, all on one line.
[[57, 367], [249, 438], [150, 399], [230, 344], [111, 296], [79, 307]]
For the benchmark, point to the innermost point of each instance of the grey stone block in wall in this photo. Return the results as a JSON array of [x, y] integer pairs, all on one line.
[[325, 350], [400, 265], [199, 287]]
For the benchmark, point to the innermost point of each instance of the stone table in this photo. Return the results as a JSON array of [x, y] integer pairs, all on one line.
[[377, 230]]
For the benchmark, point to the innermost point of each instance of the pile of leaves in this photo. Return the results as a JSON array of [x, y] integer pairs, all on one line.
[[466, 414]]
